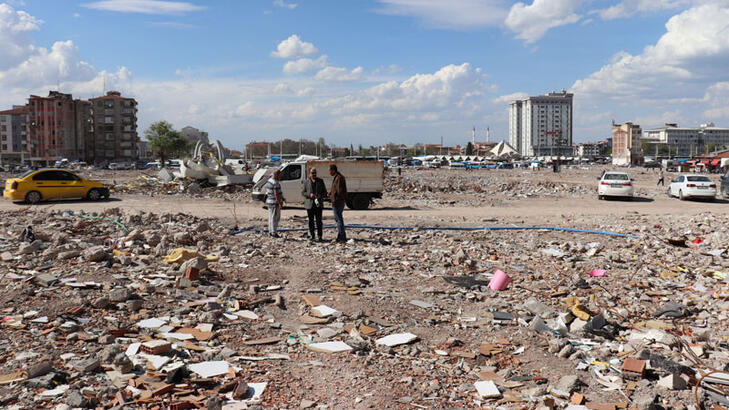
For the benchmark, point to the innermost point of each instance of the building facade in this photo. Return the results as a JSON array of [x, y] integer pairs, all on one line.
[[542, 125], [688, 142], [592, 150], [113, 129], [194, 135], [14, 134], [627, 149], [52, 127]]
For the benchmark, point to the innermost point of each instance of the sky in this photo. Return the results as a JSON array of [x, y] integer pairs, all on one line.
[[374, 71]]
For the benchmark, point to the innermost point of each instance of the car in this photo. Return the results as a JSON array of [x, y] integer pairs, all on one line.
[[52, 183], [692, 186], [615, 184], [649, 165]]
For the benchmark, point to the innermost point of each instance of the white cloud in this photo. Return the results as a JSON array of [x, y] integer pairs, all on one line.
[[627, 8], [453, 14], [691, 55], [531, 22], [505, 99], [339, 74], [304, 65], [284, 5], [293, 47], [717, 98], [144, 6], [15, 29]]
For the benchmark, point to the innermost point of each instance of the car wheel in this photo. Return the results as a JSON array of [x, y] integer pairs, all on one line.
[[680, 195], [600, 197], [94, 195], [33, 197]]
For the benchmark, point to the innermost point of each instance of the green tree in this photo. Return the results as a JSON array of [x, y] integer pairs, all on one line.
[[166, 141], [469, 148], [710, 147]]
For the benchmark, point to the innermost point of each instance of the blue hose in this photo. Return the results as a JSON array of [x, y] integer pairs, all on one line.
[[457, 228]]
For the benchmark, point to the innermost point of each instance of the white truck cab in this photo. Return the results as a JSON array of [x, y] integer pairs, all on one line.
[[365, 181]]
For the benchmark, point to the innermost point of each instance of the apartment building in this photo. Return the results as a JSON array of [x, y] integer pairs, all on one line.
[[194, 135], [14, 134], [592, 150], [112, 129], [53, 131], [688, 142], [627, 148], [542, 125]]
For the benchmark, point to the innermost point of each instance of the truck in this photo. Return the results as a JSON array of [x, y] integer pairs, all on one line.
[[365, 181]]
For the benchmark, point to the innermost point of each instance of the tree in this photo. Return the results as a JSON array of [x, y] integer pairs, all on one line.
[[166, 141], [469, 148]]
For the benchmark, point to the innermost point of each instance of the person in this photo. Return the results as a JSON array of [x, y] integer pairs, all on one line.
[[314, 192], [274, 202], [338, 195], [661, 181]]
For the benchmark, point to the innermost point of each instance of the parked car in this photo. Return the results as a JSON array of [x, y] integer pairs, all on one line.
[[650, 165], [615, 184], [44, 184], [692, 186]]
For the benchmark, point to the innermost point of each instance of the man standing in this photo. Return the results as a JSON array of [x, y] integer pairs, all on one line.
[[274, 202], [314, 192], [660, 178], [338, 195]]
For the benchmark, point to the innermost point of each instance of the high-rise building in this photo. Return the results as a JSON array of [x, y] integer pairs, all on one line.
[[14, 134], [542, 125], [627, 148], [113, 126], [52, 127]]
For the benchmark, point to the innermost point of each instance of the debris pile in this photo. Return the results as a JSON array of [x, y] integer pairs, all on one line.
[[142, 309]]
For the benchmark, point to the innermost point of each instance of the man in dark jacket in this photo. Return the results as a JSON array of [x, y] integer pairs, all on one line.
[[338, 195], [314, 192]]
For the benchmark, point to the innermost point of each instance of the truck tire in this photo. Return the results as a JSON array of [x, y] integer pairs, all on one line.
[[360, 202]]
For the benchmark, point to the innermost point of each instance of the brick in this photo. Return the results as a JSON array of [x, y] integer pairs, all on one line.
[[600, 406], [311, 300], [577, 398], [240, 391], [192, 273], [633, 367], [156, 347]]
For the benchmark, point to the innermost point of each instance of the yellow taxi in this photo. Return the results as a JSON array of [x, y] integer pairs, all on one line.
[[45, 184]]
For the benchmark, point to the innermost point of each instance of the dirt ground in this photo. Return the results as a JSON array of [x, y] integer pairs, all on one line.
[[372, 281]]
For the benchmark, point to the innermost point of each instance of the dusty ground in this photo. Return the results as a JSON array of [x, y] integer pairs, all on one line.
[[371, 281]]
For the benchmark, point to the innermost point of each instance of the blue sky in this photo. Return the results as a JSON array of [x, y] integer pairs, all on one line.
[[375, 71]]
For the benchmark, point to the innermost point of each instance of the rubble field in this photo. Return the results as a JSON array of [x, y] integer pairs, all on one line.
[[125, 306]]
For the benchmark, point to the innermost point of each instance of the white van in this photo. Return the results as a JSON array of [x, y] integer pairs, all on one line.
[[365, 181]]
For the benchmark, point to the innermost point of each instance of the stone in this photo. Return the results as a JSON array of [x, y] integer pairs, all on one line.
[[101, 302], [134, 305], [7, 256], [75, 399], [28, 248], [119, 295], [535, 307], [568, 383], [94, 254], [198, 263], [68, 254], [672, 382], [88, 365], [307, 404], [39, 369], [45, 279], [577, 325]]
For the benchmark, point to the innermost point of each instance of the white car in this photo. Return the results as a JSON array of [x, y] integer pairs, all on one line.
[[616, 184], [692, 186]]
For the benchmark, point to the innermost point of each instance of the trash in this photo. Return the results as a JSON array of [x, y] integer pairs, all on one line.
[[597, 272], [396, 339], [487, 389], [210, 369], [500, 280], [322, 311], [329, 347]]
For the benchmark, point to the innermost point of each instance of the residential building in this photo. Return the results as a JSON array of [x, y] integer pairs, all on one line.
[[113, 121], [52, 127], [438, 149], [194, 135], [13, 134], [144, 152], [482, 149], [542, 125], [688, 142], [627, 148]]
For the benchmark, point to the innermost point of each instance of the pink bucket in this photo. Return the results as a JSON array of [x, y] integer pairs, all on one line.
[[500, 280]]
